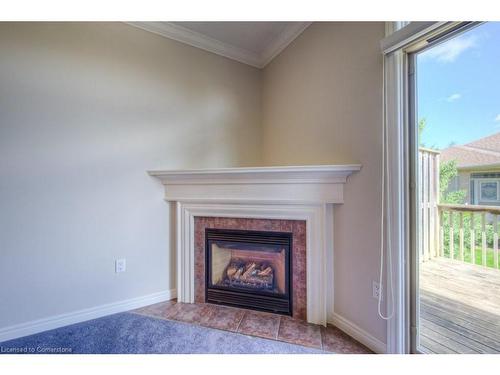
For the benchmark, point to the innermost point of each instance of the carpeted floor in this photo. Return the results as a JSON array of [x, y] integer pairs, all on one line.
[[132, 333]]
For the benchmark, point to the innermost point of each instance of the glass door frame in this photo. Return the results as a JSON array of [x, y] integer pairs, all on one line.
[[411, 71]]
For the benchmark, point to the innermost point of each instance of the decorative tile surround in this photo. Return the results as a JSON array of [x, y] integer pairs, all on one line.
[[296, 227]]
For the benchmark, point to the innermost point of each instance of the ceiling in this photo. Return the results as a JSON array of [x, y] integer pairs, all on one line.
[[252, 43]]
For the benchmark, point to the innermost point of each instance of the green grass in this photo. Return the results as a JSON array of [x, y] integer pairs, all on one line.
[[467, 226], [490, 256]]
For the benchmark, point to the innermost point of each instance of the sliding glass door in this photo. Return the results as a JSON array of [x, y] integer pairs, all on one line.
[[454, 117]]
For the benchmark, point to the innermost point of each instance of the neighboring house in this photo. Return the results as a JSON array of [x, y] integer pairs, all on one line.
[[478, 166]]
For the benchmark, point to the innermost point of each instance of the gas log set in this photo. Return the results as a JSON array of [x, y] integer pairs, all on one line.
[[248, 274]]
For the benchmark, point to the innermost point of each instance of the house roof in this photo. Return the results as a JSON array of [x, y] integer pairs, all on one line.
[[484, 152]]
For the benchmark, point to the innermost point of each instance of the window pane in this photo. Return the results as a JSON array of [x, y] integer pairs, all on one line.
[[489, 191]]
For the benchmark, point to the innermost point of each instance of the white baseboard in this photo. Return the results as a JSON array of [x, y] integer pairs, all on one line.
[[40, 325], [357, 333]]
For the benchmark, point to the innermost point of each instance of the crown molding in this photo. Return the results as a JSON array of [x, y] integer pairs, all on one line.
[[195, 39], [287, 36]]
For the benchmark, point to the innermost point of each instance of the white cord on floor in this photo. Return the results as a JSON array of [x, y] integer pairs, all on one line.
[[388, 221]]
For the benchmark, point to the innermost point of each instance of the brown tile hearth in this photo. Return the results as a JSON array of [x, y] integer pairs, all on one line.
[[299, 332], [193, 313], [254, 323], [225, 318], [260, 324]]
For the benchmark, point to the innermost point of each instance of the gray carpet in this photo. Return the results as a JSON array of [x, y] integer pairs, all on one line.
[[130, 333]]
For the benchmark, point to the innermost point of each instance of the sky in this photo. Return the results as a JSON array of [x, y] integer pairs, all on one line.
[[458, 87]]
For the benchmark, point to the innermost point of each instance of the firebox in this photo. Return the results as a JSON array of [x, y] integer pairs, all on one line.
[[249, 269]]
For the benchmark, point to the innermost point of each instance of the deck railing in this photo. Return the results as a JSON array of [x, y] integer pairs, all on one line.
[[469, 233]]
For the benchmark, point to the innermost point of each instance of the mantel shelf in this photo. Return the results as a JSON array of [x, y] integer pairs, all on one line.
[[297, 184], [292, 174]]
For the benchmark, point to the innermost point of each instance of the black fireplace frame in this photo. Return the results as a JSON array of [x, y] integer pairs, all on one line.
[[242, 297]]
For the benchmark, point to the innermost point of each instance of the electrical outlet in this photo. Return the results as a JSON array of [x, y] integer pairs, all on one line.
[[376, 292], [120, 265]]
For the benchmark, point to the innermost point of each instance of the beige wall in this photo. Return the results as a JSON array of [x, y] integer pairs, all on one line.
[[85, 110], [322, 103]]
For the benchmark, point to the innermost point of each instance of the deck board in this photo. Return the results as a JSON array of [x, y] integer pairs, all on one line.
[[459, 307]]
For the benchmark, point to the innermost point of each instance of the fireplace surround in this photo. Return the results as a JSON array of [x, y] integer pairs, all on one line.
[[305, 194], [298, 261]]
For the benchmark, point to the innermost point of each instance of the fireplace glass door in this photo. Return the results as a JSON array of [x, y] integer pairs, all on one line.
[[249, 269]]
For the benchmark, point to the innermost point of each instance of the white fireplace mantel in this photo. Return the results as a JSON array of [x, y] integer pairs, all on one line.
[[306, 193], [319, 184]]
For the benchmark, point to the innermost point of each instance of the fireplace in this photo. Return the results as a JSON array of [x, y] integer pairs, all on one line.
[[249, 269], [295, 199]]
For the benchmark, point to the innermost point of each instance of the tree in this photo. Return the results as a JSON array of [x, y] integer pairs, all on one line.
[[447, 171], [422, 123]]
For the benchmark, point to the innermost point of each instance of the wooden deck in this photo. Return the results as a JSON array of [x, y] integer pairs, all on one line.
[[459, 307]]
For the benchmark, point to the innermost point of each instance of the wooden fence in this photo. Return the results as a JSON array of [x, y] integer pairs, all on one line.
[[428, 165]]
